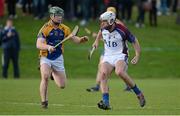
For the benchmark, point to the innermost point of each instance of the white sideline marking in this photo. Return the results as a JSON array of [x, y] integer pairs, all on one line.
[[146, 49], [88, 106]]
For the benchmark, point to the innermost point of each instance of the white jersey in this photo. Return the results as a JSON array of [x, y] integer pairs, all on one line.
[[115, 42]]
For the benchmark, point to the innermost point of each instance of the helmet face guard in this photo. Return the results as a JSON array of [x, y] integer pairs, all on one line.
[[108, 16]]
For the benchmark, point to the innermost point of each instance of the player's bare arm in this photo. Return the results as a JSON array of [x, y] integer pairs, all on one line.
[[78, 40], [98, 37], [40, 44], [137, 49]]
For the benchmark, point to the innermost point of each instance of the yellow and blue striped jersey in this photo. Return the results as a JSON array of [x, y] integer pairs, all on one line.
[[53, 36]]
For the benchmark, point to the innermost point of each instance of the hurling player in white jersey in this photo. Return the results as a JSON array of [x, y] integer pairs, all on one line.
[[115, 37], [98, 36]]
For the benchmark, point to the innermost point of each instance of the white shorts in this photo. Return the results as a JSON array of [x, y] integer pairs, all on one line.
[[57, 64], [113, 59]]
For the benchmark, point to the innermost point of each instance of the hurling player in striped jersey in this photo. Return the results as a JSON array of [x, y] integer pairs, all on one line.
[[115, 37]]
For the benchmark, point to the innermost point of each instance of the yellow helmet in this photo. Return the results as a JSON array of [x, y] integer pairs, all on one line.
[[112, 9]]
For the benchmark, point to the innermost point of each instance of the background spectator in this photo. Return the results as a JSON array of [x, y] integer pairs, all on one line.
[[11, 47], [1, 8], [164, 7], [141, 12], [153, 13], [39, 8], [174, 6], [11, 7], [1, 29], [86, 10], [127, 10], [178, 18], [27, 7]]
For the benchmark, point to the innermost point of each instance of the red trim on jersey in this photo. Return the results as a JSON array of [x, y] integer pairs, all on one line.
[[129, 36], [122, 27], [124, 30]]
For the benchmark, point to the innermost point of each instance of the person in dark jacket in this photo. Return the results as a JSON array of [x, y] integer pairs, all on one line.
[[11, 47], [11, 8], [141, 13], [1, 29], [153, 13]]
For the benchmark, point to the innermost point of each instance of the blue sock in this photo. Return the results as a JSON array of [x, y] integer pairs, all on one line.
[[106, 98], [136, 90], [97, 86]]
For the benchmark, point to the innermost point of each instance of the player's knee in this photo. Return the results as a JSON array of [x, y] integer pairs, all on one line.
[[45, 75], [103, 75], [120, 72], [44, 81]]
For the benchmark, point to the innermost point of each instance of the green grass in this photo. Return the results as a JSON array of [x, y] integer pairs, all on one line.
[[157, 73], [159, 59], [22, 97]]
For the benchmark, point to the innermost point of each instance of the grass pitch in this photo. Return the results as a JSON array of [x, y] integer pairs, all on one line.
[[157, 74], [22, 97]]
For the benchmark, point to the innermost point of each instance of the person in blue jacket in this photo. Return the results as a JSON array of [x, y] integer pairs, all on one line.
[[10, 44]]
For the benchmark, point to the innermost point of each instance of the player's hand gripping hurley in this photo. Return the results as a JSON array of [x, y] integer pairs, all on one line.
[[74, 33]]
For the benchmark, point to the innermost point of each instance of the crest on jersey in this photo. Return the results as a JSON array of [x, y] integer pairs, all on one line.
[[56, 33]]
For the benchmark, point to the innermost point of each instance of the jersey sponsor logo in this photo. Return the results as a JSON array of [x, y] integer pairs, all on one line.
[[50, 34]]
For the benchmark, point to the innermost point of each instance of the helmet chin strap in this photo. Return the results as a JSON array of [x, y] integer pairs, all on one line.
[[56, 23], [108, 27]]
